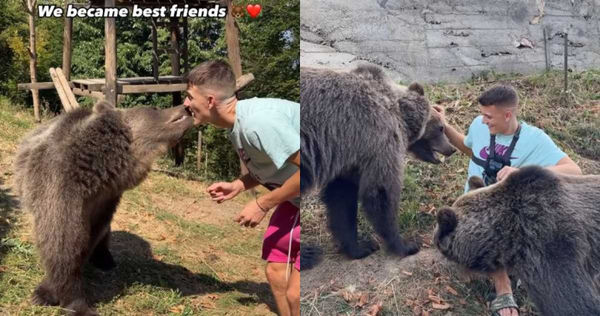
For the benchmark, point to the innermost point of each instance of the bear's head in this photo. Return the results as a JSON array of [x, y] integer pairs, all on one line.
[[488, 228], [153, 130], [433, 138]]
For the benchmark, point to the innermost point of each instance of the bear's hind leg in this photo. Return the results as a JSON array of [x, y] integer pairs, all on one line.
[[101, 257], [70, 290], [380, 206], [341, 198]]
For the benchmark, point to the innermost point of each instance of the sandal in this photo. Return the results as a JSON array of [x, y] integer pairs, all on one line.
[[501, 302]]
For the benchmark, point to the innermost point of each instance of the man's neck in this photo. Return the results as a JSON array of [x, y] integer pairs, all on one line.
[[513, 125], [226, 113]]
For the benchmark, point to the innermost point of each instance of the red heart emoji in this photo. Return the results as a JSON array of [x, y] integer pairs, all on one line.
[[253, 10]]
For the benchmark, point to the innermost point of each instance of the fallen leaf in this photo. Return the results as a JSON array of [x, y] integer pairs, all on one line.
[[441, 306], [417, 311], [425, 313], [435, 299], [407, 273], [451, 290], [177, 309], [363, 300], [374, 309], [347, 296], [462, 301]]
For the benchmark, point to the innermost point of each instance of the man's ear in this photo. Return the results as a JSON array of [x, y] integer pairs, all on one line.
[[212, 101]]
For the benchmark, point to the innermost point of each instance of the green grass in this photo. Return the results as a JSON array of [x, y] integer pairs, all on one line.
[[197, 268]]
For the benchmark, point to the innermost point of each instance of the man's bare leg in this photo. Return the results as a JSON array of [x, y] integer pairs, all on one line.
[[502, 285], [275, 272], [293, 292]]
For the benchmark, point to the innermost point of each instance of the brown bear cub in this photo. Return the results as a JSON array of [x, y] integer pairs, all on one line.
[[542, 226], [356, 130], [70, 174]]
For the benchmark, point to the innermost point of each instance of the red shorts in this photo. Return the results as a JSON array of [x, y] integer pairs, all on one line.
[[276, 241]]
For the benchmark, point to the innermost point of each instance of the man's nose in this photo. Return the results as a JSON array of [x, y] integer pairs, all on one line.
[[186, 102]]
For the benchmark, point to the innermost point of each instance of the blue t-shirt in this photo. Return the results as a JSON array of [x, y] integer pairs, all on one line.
[[266, 132], [534, 147]]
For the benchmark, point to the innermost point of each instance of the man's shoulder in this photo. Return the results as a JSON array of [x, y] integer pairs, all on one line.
[[477, 128], [528, 130], [267, 102]]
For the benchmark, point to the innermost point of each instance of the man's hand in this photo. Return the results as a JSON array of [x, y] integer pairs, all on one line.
[[251, 215], [504, 172], [223, 191], [440, 112]]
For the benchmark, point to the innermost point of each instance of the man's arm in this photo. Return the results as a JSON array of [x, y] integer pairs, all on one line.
[[567, 166], [247, 181], [288, 190], [456, 138]]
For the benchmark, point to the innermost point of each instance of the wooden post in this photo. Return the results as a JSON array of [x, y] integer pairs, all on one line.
[[67, 47], [30, 6], [154, 50], [199, 151], [186, 63], [233, 53], [175, 57], [179, 149], [110, 33], [233, 42], [546, 49], [566, 58]]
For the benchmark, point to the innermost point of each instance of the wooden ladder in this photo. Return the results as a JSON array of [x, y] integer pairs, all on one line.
[[67, 98]]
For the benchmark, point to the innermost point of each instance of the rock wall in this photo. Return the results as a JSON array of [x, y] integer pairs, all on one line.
[[451, 40]]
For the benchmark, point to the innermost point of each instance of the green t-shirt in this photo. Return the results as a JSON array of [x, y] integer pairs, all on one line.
[[266, 132]]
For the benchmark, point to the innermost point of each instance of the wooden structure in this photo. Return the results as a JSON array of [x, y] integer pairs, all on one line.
[[111, 86]]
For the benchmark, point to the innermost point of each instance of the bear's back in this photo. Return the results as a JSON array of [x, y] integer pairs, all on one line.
[[78, 153]]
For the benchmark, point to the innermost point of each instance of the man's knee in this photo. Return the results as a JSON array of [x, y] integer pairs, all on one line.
[[293, 296], [273, 272]]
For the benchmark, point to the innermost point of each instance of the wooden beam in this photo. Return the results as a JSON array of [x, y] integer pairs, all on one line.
[[67, 47], [62, 94], [67, 87], [36, 85], [233, 42], [156, 88], [87, 93], [110, 33]]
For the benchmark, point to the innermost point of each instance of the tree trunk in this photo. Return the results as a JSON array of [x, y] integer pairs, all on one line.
[[31, 9]]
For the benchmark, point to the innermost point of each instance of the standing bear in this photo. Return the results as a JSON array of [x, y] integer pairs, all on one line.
[[70, 174], [356, 130], [542, 226]]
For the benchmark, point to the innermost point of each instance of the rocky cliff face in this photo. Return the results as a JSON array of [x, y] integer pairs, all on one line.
[[451, 40]]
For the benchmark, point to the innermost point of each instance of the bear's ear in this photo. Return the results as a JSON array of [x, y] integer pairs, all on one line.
[[416, 87], [475, 183], [447, 221], [103, 106]]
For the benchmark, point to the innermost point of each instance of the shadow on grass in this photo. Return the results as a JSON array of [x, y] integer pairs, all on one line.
[[136, 265], [8, 206]]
